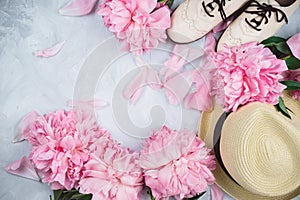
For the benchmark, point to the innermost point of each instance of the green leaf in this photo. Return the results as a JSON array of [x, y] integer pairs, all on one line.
[[271, 41], [85, 197], [196, 197], [57, 194], [292, 63], [276, 52], [170, 3], [149, 192], [67, 195], [80, 196], [283, 48], [291, 85], [281, 108], [70, 195]]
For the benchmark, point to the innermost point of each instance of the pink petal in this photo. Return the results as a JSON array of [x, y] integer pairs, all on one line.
[[177, 87], [146, 76], [182, 54], [160, 19], [57, 186], [68, 142], [293, 43], [28, 119], [135, 88], [210, 43], [78, 7], [216, 193], [223, 25], [96, 103], [201, 98], [24, 168], [49, 52], [185, 55], [186, 52], [135, 97], [152, 79], [147, 5], [159, 156]]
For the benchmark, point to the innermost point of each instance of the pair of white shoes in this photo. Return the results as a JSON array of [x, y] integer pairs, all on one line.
[[256, 21]]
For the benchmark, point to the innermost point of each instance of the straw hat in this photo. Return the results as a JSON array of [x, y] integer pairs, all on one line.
[[257, 150]]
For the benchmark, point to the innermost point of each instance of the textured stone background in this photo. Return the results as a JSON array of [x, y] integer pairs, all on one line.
[[29, 83]]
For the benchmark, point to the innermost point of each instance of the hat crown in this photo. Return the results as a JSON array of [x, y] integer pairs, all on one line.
[[260, 149]]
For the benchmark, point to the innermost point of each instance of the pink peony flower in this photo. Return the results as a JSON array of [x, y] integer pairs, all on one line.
[[61, 144], [137, 24], [296, 94], [176, 164], [61, 161], [112, 173], [293, 43], [247, 73], [295, 76]]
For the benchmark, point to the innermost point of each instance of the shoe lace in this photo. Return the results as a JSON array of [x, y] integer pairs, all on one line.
[[209, 8], [264, 11]]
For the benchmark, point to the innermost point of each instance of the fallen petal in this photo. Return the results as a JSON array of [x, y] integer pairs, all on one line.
[[152, 79], [216, 193], [135, 88], [167, 73], [136, 95], [49, 52], [78, 7], [188, 53], [181, 55], [199, 99], [210, 43], [23, 168], [96, 103], [223, 25], [293, 43], [28, 119], [177, 87]]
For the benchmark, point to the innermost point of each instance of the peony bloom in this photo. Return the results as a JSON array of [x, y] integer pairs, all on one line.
[[176, 164], [137, 24], [247, 73], [295, 76], [61, 144], [112, 173]]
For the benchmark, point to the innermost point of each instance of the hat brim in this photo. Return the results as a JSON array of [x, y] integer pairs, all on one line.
[[208, 122]]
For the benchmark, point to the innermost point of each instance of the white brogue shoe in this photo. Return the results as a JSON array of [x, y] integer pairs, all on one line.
[[260, 20], [194, 18]]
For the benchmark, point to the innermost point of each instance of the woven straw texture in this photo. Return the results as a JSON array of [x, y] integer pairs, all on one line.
[[260, 149]]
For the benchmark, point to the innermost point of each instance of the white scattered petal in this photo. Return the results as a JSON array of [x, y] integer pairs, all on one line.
[[49, 52]]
